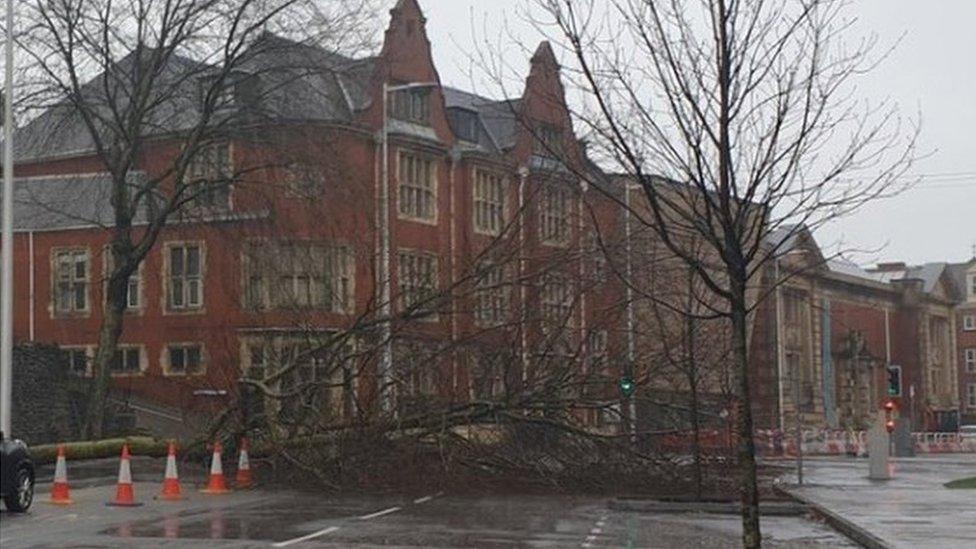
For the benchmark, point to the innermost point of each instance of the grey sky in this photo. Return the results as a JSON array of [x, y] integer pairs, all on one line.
[[932, 70]]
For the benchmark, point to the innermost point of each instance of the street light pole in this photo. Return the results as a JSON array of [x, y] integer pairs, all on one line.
[[386, 361], [386, 280], [7, 260], [631, 343]]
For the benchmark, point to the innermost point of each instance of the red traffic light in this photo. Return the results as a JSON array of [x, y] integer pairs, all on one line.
[[889, 405], [890, 425]]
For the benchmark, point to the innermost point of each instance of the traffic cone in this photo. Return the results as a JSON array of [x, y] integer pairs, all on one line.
[[216, 483], [59, 491], [124, 495], [243, 479], [171, 482]]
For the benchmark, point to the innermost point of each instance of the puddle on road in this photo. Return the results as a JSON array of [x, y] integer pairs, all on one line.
[[212, 524]]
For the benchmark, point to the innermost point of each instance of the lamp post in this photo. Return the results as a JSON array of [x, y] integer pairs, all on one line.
[[6, 263], [385, 279]]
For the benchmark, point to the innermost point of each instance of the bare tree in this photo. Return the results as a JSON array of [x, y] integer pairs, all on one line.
[[734, 118], [137, 78]]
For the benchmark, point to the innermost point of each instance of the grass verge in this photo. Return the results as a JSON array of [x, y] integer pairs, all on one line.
[[962, 484], [138, 446]]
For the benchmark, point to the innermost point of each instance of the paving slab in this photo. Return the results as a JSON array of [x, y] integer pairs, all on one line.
[[913, 510]]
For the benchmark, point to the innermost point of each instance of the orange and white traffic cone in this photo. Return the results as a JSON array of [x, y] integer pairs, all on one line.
[[171, 481], [124, 495], [243, 478], [216, 483], [59, 490]]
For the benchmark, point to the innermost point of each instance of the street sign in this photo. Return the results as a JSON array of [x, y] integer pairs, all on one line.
[[626, 386]]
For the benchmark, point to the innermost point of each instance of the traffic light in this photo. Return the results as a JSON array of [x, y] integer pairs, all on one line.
[[626, 386], [894, 380], [889, 408]]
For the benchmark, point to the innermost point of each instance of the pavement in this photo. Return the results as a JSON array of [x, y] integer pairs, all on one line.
[[912, 510], [268, 517]]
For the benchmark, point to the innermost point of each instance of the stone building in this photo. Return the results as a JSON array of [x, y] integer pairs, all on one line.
[[853, 338]]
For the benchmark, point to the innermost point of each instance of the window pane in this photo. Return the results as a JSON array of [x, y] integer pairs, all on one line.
[[176, 362], [176, 292], [193, 359], [176, 261], [192, 261]]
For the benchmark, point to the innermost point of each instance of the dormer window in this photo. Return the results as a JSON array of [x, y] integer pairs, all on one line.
[[465, 124], [236, 89], [412, 105], [548, 141], [971, 278]]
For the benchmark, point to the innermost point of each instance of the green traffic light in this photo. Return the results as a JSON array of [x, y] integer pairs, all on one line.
[[627, 386]]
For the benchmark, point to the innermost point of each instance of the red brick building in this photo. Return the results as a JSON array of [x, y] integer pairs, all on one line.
[[480, 202]]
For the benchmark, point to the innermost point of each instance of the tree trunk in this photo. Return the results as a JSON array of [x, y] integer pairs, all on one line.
[[108, 340], [749, 487]]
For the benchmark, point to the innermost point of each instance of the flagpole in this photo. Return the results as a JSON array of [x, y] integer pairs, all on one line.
[[7, 261]]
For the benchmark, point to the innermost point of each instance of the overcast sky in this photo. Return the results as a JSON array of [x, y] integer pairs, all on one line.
[[932, 70]]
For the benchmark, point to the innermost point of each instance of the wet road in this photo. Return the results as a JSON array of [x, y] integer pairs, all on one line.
[[287, 519]]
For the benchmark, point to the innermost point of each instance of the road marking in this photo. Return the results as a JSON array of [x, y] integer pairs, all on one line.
[[313, 535], [424, 499], [380, 513], [596, 531]]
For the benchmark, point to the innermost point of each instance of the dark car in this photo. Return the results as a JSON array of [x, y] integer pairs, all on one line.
[[16, 474]]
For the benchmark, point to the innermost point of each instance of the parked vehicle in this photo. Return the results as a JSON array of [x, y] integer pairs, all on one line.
[[967, 432], [16, 474]]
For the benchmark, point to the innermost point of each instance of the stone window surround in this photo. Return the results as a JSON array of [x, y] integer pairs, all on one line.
[[89, 351], [165, 359], [490, 177], [340, 247], [165, 272], [436, 286], [143, 360], [74, 313], [140, 287], [433, 219]]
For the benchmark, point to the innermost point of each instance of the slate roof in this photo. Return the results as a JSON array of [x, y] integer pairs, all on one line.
[[957, 274], [276, 79], [64, 202]]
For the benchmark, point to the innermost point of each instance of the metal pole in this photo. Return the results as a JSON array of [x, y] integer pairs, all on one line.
[[7, 261], [386, 309], [780, 348], [799, 430], [631, 343]]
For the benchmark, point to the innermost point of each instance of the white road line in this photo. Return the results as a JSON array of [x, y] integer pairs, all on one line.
[[313, 535], [596, 531], [424, 499], [380, 513]]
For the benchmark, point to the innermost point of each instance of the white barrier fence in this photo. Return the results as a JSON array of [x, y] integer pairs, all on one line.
[[772, 442]]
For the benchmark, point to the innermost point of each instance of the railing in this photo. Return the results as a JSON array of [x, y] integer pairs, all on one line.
[[772, 443]]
